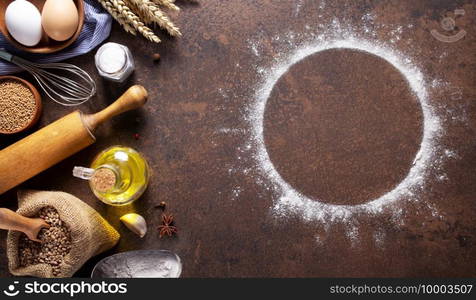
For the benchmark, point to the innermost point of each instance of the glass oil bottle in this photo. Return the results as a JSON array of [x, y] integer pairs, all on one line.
[[118, 175]]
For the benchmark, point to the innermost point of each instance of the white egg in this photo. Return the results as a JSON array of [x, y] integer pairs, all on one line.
[[23, 22]]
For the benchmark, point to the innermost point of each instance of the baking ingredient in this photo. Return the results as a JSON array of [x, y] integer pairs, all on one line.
[[60, 19], [131, 173], [13, 221], [136, 223], [23, 21], [167, 227], [55, 243], [139, 264], [90, 233], [67, 85], [114, 62], [135, 16], [17, 106]]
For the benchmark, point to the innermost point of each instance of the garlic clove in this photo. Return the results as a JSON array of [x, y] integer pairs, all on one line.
[[136, 223]]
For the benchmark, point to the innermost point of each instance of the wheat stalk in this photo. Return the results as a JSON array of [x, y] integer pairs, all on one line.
[[133, 20], [151, 12], [133, 15], [119, 18], [167, 3]]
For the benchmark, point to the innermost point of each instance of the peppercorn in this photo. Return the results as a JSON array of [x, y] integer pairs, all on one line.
[[161, 205], [156, 57]]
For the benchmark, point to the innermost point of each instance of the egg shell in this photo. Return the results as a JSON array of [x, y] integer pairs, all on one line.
[[23, 21], [60, 19]]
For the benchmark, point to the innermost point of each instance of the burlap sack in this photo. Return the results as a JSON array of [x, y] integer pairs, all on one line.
[[90, 233]]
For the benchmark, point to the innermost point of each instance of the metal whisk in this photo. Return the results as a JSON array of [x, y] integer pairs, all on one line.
[[73, 90]]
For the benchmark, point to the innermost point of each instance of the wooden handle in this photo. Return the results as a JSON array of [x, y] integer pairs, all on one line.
[[134, 97], [10, 220], [43, 149]]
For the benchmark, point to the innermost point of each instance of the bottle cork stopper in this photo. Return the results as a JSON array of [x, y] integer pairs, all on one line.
[[103, 180]]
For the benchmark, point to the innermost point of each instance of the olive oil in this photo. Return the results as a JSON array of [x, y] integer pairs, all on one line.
[[132, 175], [118, 175]]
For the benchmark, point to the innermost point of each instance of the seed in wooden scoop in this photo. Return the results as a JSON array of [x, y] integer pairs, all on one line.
[[55, 243]]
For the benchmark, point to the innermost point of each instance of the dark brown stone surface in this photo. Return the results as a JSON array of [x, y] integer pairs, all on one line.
[[194, 134], [343, 126]]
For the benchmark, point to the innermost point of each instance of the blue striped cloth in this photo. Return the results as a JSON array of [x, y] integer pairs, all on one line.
[[96, 28]]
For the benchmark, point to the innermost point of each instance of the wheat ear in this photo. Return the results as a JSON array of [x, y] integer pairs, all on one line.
[[134, 20], [150, 12], [167, 3], [115, 14]]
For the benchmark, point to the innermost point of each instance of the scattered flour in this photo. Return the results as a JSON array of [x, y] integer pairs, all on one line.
[[291, 200], [223, 93], [318, 240], [436, 83], [451, 154], [254, 49], [395, 34], [298, 7], [353, 234], [368, 18], [443, 177], [231, 130], [379, 238], [236, 192], [322, 4]]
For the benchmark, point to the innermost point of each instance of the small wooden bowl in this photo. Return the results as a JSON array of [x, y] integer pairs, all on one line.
[[37, 96], [46, 45]]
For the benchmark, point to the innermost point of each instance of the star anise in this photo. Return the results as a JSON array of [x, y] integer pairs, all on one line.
[[167, 227]]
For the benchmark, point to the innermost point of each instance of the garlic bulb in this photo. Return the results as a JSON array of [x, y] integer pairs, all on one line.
[[136, 223]]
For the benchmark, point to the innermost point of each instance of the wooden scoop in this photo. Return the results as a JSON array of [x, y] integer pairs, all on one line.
[[10, 220], [59, 140]]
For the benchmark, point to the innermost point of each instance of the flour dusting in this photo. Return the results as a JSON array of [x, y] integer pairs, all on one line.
[[353, 234], [290, 201], [379, 238], [252, 158], [298, 7]]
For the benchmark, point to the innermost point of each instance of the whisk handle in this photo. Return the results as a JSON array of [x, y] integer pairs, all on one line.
[[6, 56], [133, 98]]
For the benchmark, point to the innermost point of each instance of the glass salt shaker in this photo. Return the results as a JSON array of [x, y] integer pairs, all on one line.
[[114, 62]]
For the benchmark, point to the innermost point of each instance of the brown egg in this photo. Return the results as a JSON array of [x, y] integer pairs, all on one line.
[[60, 19]]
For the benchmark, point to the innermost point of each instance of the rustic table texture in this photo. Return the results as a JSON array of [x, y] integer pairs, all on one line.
[[341, 127]]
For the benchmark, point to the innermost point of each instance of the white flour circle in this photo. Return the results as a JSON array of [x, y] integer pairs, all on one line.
[[292, 201]]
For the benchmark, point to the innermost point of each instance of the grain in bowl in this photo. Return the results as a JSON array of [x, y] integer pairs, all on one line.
[[19, 105]]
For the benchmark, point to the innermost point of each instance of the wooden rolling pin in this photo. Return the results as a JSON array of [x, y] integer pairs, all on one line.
[[10, 220], [59, 140]]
